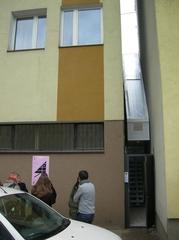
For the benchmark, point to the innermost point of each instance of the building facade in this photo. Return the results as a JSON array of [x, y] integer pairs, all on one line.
[[62, 96]]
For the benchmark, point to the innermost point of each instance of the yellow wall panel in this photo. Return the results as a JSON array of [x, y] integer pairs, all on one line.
[[81, 84]]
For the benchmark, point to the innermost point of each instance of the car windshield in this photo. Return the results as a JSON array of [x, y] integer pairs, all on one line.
[[33, 219]]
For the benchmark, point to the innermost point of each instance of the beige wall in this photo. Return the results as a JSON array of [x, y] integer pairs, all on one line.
[[113, 82], [153, 86], [105, 169], [29, 78], [160, 41], [168, 36]]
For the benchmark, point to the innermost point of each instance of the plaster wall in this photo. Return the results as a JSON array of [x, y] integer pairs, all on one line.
[[113, 82], [153, 84], [168, 38], [29, 78], [81, 84]]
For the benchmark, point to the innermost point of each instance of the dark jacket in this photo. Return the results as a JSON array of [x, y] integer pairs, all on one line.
[[73, 207], [22, 186], [49, 198]]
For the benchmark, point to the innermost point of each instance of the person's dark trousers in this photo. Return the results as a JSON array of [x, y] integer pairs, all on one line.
[[88, 218]]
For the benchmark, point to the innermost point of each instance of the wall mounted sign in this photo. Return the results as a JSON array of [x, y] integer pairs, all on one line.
[[126, 177], [40, 164]]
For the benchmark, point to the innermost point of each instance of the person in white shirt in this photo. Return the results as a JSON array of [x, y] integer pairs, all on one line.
[[85, 198]]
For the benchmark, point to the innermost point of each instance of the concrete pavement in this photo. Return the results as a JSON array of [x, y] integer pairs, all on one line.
[[137, 234]]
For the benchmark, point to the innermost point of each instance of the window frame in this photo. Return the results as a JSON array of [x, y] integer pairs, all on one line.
[[35, 15], [75, 21]]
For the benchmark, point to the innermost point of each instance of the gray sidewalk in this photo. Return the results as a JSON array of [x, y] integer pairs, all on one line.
[[137, 234]]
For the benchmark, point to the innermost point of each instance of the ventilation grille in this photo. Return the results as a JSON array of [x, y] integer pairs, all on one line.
[[136, 182]]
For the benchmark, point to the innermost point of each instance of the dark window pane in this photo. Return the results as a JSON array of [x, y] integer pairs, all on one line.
[[25, 137], [56, 137], [5, 137], [89, 136]]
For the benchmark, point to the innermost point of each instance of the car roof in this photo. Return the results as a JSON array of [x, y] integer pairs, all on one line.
[[7, 191]]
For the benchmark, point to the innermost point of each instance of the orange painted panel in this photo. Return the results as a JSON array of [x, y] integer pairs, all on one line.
[[81, 84], [79, 2]]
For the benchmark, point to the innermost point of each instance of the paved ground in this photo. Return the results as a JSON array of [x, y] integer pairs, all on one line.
[[137, 234]]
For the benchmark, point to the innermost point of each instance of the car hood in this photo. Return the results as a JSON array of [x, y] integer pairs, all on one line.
[[80, 231]]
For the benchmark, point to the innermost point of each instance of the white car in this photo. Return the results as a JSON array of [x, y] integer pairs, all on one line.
[[23, 216]]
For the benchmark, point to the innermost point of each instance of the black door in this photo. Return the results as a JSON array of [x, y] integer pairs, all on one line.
[[139, 188]]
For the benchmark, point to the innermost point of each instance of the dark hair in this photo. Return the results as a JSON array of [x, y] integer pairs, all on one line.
[[83, 175]]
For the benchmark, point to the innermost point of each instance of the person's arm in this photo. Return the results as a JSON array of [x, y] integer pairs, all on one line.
[[77, 195]]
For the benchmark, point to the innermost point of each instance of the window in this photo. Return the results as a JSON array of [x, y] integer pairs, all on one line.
[[89, 136], [58, 137], [28, 30], [4, 234], [5, 137], [32, 218], [52, 137], [81, 27]]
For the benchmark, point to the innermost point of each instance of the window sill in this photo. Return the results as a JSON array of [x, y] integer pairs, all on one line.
[[52, 151], [87, 45], [25, 50]]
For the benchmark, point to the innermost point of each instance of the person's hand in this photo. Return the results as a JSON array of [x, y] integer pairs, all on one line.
[[78, 179]]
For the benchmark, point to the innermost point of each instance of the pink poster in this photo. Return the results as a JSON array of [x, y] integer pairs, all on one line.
[[40, 164]]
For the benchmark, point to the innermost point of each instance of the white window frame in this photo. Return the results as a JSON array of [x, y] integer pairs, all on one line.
[[35, 14], [75, 26]]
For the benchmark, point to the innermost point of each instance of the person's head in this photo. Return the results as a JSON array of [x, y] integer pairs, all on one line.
[[13, 176], [42, 186], [83, 175]]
